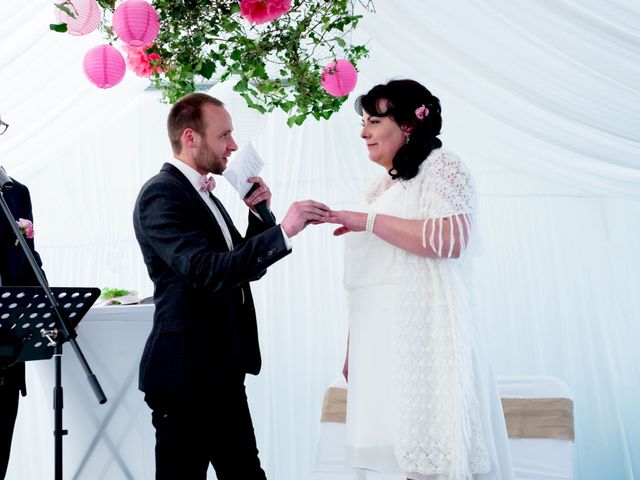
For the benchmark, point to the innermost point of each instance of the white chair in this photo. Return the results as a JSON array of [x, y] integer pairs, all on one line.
[[539, 415]]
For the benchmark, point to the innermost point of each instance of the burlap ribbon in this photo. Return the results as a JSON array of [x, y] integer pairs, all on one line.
[[525, 417]]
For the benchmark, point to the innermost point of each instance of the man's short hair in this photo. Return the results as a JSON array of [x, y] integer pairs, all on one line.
[[187, 113]]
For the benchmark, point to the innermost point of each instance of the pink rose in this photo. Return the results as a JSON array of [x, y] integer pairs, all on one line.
[[139, 61], [263, 11], [26, 228]]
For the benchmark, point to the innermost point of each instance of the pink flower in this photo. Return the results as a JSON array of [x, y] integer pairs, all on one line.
[[263, 11], [139, 60], [422, 112], [26, 228]]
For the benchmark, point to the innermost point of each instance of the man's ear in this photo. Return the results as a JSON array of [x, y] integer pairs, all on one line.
[[190, 138]]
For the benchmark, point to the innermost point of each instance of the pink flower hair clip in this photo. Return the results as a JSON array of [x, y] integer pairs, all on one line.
[[422, 112]]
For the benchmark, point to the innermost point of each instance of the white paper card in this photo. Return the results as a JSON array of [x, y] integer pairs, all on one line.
[[247, 163]]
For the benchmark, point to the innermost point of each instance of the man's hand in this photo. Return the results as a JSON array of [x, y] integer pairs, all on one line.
[[301, 214], [350, 221], [262, 193]]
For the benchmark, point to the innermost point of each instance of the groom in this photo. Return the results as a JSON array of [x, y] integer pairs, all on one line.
[[204, 338]]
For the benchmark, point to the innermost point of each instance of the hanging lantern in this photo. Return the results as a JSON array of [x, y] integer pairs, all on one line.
[[104, 66], [339, 78], [136, 22], [87, 17]]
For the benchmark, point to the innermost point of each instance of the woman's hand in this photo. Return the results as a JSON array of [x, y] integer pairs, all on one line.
[[350, 221]]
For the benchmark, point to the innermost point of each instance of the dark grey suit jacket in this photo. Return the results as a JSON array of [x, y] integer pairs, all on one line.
[[14, 266], [204, 327]]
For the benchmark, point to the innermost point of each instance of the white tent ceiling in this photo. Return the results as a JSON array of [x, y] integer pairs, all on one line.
[[550, 86]]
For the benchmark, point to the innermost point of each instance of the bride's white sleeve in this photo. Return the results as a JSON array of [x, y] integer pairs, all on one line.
[[447, 205]]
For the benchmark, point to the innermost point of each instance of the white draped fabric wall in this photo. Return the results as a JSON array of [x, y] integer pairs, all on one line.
[[542, 99]]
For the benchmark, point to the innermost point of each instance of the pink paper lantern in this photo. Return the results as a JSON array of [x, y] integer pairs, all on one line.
[[87, 18], [339, 78], [104, 66], [136, 22]]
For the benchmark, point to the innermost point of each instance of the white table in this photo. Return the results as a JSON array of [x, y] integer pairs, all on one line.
[[110, 441]]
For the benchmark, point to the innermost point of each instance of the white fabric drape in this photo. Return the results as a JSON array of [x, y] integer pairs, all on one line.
[[540, 99]]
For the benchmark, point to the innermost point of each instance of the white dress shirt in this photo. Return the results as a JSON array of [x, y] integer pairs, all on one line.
[[194, 178]]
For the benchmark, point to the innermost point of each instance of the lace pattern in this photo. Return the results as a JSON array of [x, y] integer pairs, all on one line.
[[436, 379]]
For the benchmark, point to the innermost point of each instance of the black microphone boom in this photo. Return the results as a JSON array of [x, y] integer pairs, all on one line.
[[261, 208]]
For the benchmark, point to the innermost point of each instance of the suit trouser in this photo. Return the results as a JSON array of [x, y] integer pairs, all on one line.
[[9, 395], [215, 428]]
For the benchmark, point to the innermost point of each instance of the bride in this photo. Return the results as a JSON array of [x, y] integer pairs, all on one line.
[[422, 403]]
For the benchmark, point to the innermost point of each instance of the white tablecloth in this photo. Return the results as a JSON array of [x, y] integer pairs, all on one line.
[[113, 441]]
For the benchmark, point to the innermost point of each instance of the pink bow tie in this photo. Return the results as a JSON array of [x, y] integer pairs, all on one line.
[[207, 184]]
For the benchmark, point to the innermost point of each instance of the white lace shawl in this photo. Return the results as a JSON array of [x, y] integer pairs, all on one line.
[[439, 429]]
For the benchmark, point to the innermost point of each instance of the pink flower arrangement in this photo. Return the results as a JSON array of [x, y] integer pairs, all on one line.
[[26, 228], [263, 11], [139, 61]]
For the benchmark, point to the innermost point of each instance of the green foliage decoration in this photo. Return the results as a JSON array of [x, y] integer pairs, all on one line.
[[277, 65], [109, 293]]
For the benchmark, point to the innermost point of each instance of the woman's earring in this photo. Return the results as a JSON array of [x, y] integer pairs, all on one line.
[[406, 138]]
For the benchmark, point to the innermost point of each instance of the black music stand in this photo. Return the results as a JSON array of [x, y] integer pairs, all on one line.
[[30, 329], [25, 304]]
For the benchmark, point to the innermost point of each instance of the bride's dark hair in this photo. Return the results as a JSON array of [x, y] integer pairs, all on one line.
[[403, 98]]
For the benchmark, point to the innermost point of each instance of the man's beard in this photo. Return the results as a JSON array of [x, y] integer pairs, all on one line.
[[208, 160]]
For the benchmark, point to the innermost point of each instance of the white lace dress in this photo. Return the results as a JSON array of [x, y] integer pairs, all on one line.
[[422, 401]]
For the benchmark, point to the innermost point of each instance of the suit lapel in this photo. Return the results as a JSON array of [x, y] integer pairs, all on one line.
[[204, 210], [235, 235]]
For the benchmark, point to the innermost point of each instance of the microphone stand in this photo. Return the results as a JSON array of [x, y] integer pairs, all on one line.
[[55, 336]]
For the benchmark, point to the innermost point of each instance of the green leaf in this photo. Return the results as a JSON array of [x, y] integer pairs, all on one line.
[[58, 27], [107, 293], [207, 69], [297, 119], [110, 4], [259, 72], [241, 86], [63, 6]]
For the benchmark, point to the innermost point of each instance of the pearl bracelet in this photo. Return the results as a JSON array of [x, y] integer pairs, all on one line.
[[371, 221]]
